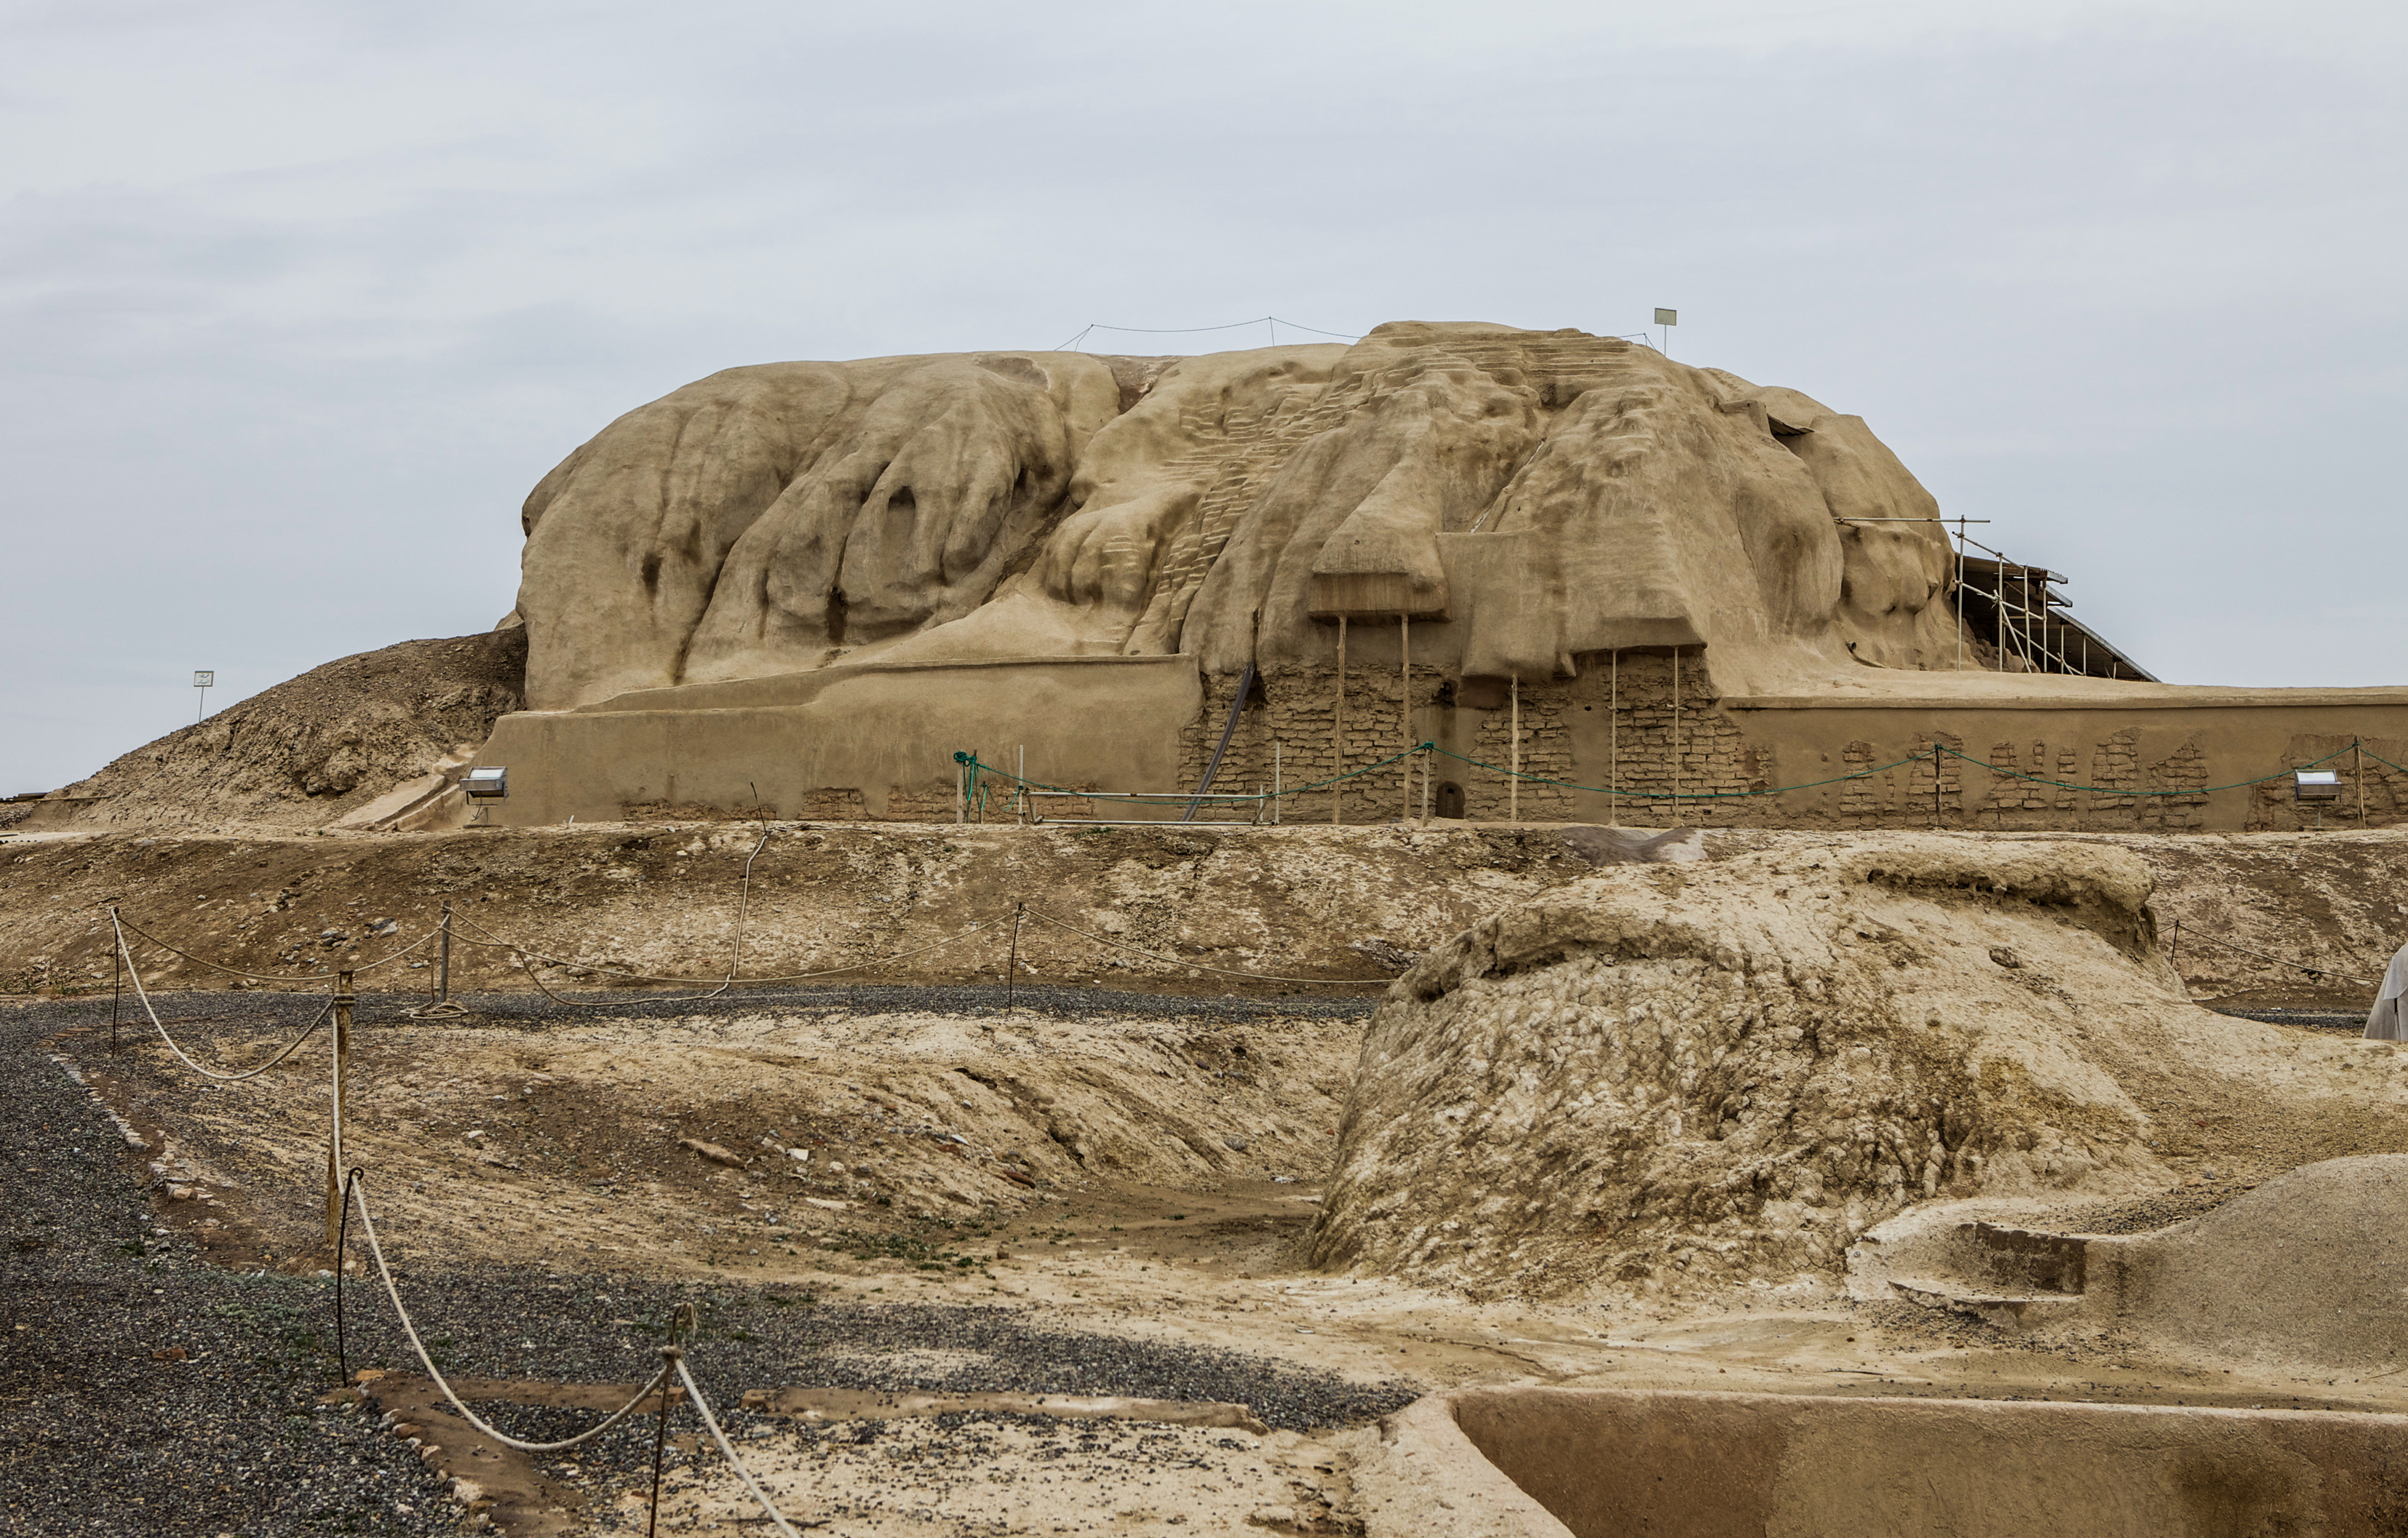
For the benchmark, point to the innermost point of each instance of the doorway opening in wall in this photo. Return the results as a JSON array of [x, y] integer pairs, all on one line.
[[1449, 799]]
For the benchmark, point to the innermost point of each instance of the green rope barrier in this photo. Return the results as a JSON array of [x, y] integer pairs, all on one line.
[[978, 768], [2379, 759], [1182, 798], [2112, 790], [1678, 795]]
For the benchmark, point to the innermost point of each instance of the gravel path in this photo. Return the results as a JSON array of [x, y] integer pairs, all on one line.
[[143, 1392]]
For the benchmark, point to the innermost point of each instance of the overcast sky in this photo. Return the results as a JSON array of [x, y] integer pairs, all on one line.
[[297, 300]]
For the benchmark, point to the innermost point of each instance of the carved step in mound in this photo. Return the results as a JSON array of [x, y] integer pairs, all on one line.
[[2009, 1311]]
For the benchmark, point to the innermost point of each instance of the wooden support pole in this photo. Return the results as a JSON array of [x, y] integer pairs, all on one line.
[[1513, 785], [1676, 736], [1337, 739], [2357, 755], [1614, 742], [342, 1056], [1405, 705], [443, 972]]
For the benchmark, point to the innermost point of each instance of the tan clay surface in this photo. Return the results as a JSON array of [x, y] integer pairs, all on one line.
[[1155, 1233]]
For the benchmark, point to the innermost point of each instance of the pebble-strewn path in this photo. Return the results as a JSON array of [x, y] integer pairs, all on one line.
[[142, 1392]]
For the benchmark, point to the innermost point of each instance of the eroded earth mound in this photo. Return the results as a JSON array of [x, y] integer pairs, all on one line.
[[1678, 1076], [1547, 493], [310, 749]]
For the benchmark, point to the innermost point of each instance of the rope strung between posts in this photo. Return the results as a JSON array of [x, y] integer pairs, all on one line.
[[1181, 798], [278, 977], [702, 1408], [132, 971], [2114, 790], [1196, 967], [495, 942], [735, 957], [1675, 795], [409, 1328], [2302, 966]]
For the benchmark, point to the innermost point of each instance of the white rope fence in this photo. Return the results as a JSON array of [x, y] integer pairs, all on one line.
[[409, 1328], [702, 1407], [387, 959], [673, 1360], [203, 1069]]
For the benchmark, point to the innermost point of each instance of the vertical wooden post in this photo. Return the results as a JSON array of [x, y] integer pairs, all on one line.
[[1405, 705], [1613, 743], [335, 1121], [1513, 785], [443, 967], [1338, 740], [1275, 780], [1676, 736], [2357, 755]]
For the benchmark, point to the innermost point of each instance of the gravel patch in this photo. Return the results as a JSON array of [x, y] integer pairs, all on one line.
[[143, 1391]]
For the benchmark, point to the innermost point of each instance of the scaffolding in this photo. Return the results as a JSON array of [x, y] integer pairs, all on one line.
[[2024, 617]]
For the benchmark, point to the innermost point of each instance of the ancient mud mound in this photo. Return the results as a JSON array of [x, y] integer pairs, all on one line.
[[1675, 1075], [309, 749], [2306, 1268]]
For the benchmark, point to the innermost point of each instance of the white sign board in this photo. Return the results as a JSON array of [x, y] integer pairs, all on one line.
[[1668, 317], [205, 680]]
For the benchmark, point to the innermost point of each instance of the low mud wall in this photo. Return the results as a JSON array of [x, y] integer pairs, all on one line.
[[1605, 1464]]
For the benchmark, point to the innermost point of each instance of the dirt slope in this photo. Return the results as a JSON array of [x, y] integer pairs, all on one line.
[[307, 751], [1726, 1072], [664, 898]]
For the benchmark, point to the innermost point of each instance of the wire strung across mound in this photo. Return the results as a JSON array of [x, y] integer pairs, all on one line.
[[1271, 320], [2181, 929]]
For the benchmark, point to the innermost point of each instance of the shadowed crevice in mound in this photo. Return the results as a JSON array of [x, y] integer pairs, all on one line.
[[1671, 1077], [304, 752]]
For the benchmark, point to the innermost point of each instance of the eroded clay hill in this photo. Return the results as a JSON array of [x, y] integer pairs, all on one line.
[[304, 753], [1672, 1076], [1547, 493]]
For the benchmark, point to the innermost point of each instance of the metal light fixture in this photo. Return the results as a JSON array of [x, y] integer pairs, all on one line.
[[2316, 785], [487, 784]]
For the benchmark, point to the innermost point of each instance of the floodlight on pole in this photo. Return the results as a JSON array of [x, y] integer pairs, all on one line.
[[1667, 319], [201, 681]]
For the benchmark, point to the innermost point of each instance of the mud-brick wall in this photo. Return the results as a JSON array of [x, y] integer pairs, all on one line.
[[1289, 732], [1626, 732], [1621, 726]]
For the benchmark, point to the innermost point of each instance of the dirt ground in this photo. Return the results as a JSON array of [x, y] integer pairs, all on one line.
[[1136, 1174]]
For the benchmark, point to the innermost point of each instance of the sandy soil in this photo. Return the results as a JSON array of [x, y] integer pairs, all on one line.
[[1084, 1172], [586, 1164]]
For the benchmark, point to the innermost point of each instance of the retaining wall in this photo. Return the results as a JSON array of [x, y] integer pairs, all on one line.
[[1648, 736], [1605, 1464]]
